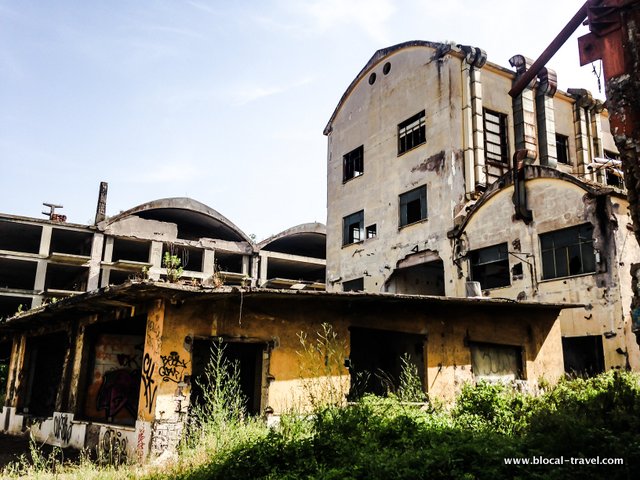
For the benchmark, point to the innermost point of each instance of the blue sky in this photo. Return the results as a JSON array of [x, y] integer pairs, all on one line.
[[224, 102]]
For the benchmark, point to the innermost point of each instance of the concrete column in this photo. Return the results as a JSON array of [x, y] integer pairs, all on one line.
[[94, 263], [582, 125], [41, 274], [524, 115], [45, 240], [473, 127], [155, 259], [546, 118], [596, 138], [208, 263], [246, 265], [255, 265], [264, 265], [108, 257]]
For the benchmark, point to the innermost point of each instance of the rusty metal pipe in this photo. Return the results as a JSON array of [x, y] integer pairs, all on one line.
[[550, 51]]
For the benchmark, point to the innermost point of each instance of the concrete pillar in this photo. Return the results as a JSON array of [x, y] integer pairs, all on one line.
[[246, 265], [45, 240], [582, 127], [208, 263], [472, 120], [155, 259], [95, 262], [546, 117], [596, 138], [264, 265], [108, 257], [255, 265], [524, 115]]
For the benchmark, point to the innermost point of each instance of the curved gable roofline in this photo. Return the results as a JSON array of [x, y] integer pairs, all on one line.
[[317, 228], [532, 172], [374, 60], [182, 203]]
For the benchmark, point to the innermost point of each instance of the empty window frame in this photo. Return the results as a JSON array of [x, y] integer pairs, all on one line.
[[490, 266], [494, 362], [353, 164], [372, 231], [583, 356], [568, 252], [411, 133], [413, 206], [496, 139], [355, 285], [353, 228], [562, 148]]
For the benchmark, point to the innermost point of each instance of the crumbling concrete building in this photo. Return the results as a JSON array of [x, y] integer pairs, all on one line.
[[45, 260], [118, 368], [423, 197]]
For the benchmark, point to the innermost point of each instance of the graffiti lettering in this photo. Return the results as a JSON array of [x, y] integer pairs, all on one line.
[[140, 446], [129, 361], [62, 428], [119, 390], [148, 367], [172, 367], [113, 447]]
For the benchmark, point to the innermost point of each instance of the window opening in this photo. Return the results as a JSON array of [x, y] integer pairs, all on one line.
[[568, 252], [353, 228], [413, 206], [490, 266], [496, 140], [353, 164], [411, 133]]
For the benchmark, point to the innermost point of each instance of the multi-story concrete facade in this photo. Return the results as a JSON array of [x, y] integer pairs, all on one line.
[[45, 260], [422, 198]]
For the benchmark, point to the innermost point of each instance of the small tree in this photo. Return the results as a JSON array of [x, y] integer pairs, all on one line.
[[173, 264]]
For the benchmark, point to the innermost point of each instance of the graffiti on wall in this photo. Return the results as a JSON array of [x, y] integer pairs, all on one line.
[[62, 426], [173, 367], [113, 391], [112, 448], [148, 367], [119, 390]]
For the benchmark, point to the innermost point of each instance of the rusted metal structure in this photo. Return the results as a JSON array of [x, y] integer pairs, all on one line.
[[614, 38]]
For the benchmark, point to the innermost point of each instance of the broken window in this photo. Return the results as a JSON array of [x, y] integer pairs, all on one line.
[[17, 274], [353, 164], [413, 206], [353, 228], [248, 356], [355, 285], [568, 252], [496, 140], [130, 250], [411, 133], [43, 372], [228, 262], [190, 257], [71, 242], [66, 277], [494, 362], [20, 237], [375, 359], [372, 231], [583, 356], [490, 266], [562, 148], [423, 279]]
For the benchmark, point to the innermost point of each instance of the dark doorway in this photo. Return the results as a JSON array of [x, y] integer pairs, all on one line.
[[421, 279], [376, 359], [249, 358], [44, 373], [583, 356]]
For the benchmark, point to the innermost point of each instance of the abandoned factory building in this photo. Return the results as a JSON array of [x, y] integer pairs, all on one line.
[[41, 260], [423, 199], [123, 363], [478, 236]]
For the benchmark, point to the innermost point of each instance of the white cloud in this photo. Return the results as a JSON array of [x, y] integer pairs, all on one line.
[[250, 93]]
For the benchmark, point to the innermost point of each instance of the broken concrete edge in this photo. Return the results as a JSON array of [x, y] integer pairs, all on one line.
[[531, 172], [130, 293]]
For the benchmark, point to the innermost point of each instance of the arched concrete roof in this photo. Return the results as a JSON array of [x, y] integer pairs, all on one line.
[[194, 219], [531, 172], [307, 239], [373, 61]]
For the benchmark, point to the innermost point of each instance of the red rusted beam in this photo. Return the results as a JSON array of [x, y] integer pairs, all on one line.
[[550, 51]]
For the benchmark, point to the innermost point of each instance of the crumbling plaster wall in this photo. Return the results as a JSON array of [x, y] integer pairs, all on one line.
[[370, 115], [558, 204]]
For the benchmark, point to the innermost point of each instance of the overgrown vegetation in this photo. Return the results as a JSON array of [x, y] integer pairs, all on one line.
[[173, 264], [401, 436]]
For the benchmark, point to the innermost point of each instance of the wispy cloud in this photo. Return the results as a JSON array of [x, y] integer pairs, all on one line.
[[250, 93]]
